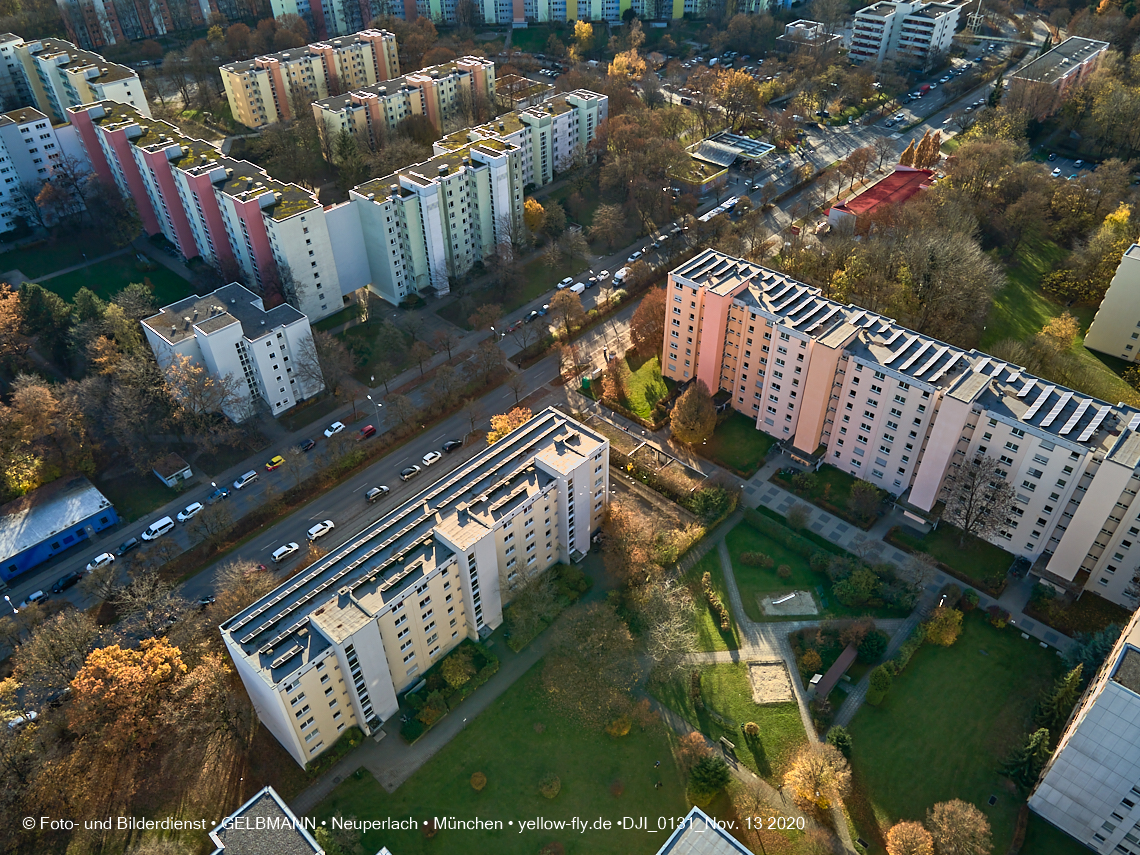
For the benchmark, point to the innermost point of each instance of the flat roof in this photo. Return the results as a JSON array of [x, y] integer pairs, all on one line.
[[24, 115], [230, 304], [1061, 60], [699, 834], [893, 189], [78, 59], [47, 511], [356, 581], [264, 825], [310, 50]]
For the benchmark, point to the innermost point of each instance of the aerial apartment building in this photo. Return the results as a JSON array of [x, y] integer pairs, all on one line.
[[269, 353], [1116, 328], [1070, 62], [915, 34], [263, 90], [30, 146], [1090, 789], [445, 94], [841, 385], [98, 23], [336, 644]]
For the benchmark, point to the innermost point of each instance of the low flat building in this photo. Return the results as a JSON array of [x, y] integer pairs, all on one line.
[[1090, 789], [700, 834], [49, 520], [172, 470], [1116, 328], [807, 37], [1070, 62], [267, 354], [265, 825], [336, 645], [894, 189]]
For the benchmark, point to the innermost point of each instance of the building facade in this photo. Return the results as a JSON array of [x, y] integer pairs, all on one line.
[[30, 147], [1116, 328], [1091, 787], [446, 94], [915, 34], [904, 411], [267, 354], [807, 37], [59, 75], [1070, 62], [263, 91], [335, 645]]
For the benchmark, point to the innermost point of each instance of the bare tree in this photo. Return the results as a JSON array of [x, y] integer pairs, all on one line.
[[149, 602], [979, 498], [295, 463], [517, 384], [212, 522], [473, 412]]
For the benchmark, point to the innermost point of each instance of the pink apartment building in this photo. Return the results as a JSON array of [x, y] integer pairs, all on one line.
[[840, 385]]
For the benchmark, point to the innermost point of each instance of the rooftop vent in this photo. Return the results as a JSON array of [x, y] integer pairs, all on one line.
[[443, 169], [173, 329]]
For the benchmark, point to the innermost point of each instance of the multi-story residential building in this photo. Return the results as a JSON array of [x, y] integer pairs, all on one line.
[[272, 235], [268, 354], [446, 94], [97, 23], [335, 645], [1116, 328], [59, 75], [30, 146], [14, 88], [842, 385], [915, 34], [329, 18], [1091, 787], [264, 90]]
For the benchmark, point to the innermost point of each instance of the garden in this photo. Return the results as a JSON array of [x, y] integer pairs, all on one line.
[[849, 498], [446, 684], [971, 559], [958, 710], [715, 630], [1089, 613], [638, 389], [737, 445], [516, 746], [109, 277], [718, 701], [537, 604], [770, 559]]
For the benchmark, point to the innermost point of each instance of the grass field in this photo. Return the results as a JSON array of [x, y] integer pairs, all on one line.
[[503, 744], [737, 445], [538, 279], [113, 275], [1041, 838], [957, 711], [135, 496], [756, 581], [831, 490], [49, 256], [709, 633], [646, 385], [727, 696], [974, 559]]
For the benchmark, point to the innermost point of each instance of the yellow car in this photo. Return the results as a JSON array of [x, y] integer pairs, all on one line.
[[275, 462]]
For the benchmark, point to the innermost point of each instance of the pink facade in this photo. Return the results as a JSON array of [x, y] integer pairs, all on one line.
[[82, 121], [211, 213], [712, 318], [823, 365], [160, 167], [952, 418], [116, 138]]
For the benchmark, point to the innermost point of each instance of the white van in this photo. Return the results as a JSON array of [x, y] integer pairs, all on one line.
[[620, 275], [246, 479], [157, 529], [578, 288]]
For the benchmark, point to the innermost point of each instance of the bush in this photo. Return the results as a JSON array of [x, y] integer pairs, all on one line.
[[811, 662], [944, 626], [716, 605], [909, 648], [411, 730], [969, 600], [751, 729], [784, 571], [619, 726], [550, 785], [708, 777], [880, 684], [873, 646], [841, 739], [617, 788], [435, 708], [756, 559], [997, 616], [478, 782], [797, 516]]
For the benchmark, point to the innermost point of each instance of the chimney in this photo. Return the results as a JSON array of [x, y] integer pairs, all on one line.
[[344, 597]]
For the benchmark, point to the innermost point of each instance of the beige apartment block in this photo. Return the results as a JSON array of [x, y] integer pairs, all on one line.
[[266, 90], [1116, 328]]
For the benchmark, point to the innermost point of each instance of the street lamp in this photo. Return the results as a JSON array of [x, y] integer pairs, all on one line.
[[8, 600], [378, 406]]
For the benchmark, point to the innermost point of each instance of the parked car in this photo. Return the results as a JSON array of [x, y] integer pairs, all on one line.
[[566, 283], [275, 461], [206, 601], [409, 473], [100, 560], [431, 457], [578, 288], [308, 444], [22, 721], [190, 511], [321, 529], [1056, 173], [158, 528], [217, 495], [603, 275], [367, 431], [127, 545], [33, 598], [451, 445], [334, 428], [531, 317], [1078, 164], [65, 582], [634, 257], [283, 552], [246, 479], [1052, 155], [376, 493]]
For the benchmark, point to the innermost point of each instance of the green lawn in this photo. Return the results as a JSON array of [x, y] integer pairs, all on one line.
[[727, 696], [711, 636], [737, 445], [831, 490], [1041, 838], [134, 496], [49, 256], [113, 275], [537, 279], [348, 313], [975, 559], [646, 385], [503, 744], [755, 582], [957, 712]]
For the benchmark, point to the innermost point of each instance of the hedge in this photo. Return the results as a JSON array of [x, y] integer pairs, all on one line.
[[789, 539], [351, 738], [818, 539]]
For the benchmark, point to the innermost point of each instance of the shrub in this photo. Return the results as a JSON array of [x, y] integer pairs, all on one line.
[[880, 684], [751, 729], [811, 662], [873, 646], [944, 626], [619, 727], [997, 616], [411, 730], [797, 516], [708, 777], [552, 848], [435, 708], [550, 785], [804, 482], [819, 561], [478, 782], [909, 648], [716, 605], [430, 829], [458, 666], [840, 737], [784, 571], [969, 600], [756, 559]]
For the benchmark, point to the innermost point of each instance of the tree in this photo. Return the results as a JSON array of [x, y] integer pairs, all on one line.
[[944, 626], [864, 500], [421, 352], [487, 360], [694, 415], [1058, 335], [583, 40], [566, 309], [48, 661], [459, 667], [1055, 707], [647, 326], [573, 245], [879, 684], [504, 423], [708, 777], [485, 316], [909, 838], [980, 498], [517, 384], [666, 610], [239, 583], [534, 604], [323, 360], [738, 96], [147, 601], [873, 646], [1025, 763], [884, 149], [534, 215], [959, 828], [840, 738], [908, 155], [818, 777], [609, 224], [215, 520]]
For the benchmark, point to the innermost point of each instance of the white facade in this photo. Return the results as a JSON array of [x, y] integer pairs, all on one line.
[[912, 33], [268, 353], [337, 644], [1091, 787], [29, 149], [59, 75], [1116, 328]]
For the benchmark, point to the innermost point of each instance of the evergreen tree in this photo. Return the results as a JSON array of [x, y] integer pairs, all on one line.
[[907, 157], [709, 775], [1024, 765], [1055, 707]]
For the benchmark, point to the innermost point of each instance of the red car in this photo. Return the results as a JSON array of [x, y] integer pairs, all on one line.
[[367, 431]]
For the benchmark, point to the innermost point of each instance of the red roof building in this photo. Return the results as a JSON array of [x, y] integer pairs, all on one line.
[[896, 188]]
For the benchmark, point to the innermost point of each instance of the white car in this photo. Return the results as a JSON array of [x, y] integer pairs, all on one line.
[[283, 552], [634, 257], [100, 560], [1056, 172], [431, 457], [603, 275], [321, 529], [21, 720], [190, 511], [334, 428], [579, 288], [33, 598], [566, 283]]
